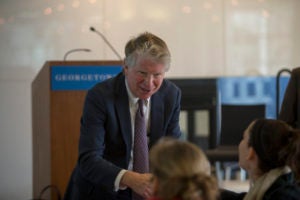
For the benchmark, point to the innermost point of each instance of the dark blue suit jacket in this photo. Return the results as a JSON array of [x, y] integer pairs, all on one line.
[[106, 135]]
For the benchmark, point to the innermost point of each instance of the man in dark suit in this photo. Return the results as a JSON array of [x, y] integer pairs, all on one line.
[[105, 163], [290, 108]]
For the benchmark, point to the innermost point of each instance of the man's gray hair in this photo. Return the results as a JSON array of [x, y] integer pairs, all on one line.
[[147, 45]]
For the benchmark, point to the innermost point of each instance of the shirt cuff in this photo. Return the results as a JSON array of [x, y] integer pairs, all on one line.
[[118, 180]]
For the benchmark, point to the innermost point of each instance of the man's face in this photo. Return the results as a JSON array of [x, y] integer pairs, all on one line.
[[145, 78]]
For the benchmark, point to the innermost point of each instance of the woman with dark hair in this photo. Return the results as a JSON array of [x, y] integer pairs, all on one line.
[[270, 153]]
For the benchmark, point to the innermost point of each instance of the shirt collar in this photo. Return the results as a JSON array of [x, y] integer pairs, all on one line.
[[132, 99]]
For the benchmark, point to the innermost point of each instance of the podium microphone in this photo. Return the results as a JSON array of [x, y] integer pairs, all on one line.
[[74, 50], [106, 41]]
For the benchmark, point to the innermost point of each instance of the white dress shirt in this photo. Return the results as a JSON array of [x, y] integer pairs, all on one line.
[[133, 106]]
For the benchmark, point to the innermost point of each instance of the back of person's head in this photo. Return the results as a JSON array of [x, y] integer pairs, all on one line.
[[147, 46], [276, 145], [182, 171]]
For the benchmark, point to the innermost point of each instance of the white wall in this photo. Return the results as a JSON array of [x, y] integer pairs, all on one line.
[[15, 134], [206, 38]]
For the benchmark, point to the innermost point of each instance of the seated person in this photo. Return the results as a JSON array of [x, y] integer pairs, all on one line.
[[181, 171], [270, 153]]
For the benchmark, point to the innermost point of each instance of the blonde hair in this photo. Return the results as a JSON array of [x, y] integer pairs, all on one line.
[[182, 171]]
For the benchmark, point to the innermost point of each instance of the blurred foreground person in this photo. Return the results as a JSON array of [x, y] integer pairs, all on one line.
[[181, 171]]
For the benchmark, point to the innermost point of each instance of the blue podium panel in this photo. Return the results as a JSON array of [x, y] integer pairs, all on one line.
[[80, 77]]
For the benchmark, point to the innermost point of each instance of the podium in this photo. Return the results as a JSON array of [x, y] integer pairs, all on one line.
[[58, 93]]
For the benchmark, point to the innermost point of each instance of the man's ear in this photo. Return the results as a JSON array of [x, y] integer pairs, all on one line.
[[125, 69], [251, 154]]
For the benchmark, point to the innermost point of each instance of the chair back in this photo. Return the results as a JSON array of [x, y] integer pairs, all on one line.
[[234, 119]]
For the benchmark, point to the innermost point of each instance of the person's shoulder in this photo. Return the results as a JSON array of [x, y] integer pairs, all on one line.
[[106, 89], [288, 192], [168, 85], [283, 188], [231, 195], [168, 91], [109, 84], [296, 71]]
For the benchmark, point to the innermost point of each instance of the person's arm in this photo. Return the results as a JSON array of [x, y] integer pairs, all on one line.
[[173, 126], [288, 109], [118, 185], [92, 165], [140, 183]]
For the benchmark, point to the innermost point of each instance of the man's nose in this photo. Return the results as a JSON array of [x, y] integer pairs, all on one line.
[[149, 79]]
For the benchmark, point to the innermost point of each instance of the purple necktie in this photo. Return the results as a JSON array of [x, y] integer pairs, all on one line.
[[140, 148]]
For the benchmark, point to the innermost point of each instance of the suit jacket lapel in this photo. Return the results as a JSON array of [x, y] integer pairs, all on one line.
[[157, 116]]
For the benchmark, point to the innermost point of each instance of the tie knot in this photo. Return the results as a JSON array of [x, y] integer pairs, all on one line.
[[140, 102]]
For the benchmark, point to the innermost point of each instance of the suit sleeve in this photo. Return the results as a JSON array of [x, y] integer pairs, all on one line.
[[93, 166], [173, 127]]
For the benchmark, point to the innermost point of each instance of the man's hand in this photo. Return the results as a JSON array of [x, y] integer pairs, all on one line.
[[140, 183]]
